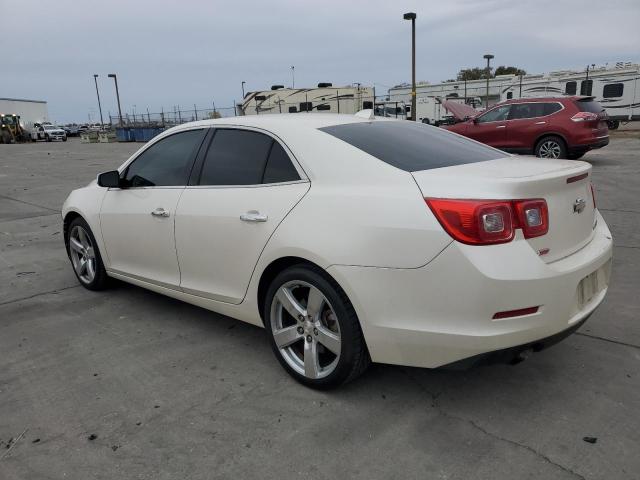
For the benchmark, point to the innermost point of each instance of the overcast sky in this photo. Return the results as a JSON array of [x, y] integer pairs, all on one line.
[[185, 52]]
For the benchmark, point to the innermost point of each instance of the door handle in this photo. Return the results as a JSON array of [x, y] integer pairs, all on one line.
[[253, 216], [501, 126], [160, 212]]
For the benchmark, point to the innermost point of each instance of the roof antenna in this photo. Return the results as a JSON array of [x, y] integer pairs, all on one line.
[[368, 114]]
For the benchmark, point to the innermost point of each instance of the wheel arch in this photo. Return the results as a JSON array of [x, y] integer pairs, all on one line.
[[69, 217], [550, 134], [275, 267]]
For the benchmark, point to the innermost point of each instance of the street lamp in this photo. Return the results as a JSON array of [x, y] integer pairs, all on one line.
[[95, 79], [293, 76], [488, 56], [412, 16], [243, 89], [115, 79]]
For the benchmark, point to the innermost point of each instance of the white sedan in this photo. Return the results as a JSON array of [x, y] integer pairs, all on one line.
[[351, 239]]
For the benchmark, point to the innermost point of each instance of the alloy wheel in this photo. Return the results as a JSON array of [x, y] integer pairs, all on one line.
[[550, 149], [305, 329], [83, 254]]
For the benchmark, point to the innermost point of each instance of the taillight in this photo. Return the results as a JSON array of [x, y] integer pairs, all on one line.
[[585, 117], [593, 194], [488, 222]]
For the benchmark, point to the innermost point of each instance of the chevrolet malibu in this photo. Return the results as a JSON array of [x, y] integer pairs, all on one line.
[[351, 239]]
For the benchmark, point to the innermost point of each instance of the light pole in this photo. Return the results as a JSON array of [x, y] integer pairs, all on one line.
[[243, 90], [293, 76], [412, 16], [95, 79], [115, 79], [488, 56]]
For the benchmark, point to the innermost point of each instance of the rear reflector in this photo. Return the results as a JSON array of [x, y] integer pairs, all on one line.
[[488, 222], [515, 313], [577, 178]]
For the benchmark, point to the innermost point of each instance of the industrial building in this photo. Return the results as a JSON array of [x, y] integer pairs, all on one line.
[[29, 111]]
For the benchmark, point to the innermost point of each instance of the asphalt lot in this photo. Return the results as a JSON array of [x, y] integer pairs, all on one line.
[[171, 391]]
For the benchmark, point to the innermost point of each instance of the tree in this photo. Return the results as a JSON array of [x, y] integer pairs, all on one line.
[[502, 70], [477, 73], [474, 73]]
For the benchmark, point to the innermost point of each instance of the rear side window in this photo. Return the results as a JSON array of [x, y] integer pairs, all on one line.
[[526, 110], [279, 167], [571, 88], [589, 105], [235, 157], [166, 162], [550, 108], [613, 90], [412, 146]]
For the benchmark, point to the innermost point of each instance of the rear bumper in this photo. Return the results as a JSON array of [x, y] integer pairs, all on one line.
[[591, 145], [442, 313]]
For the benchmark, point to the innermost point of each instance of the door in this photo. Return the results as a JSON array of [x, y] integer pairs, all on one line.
[[527, 121], [247, 185], [137, 221], [491, 127]]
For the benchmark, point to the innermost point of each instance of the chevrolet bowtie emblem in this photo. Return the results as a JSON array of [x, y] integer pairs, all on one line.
[[579, 204]]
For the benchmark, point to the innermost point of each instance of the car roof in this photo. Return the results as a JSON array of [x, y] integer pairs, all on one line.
[[276, 120]]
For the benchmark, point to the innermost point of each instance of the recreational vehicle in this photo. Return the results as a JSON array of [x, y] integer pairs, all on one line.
[[324, 98]]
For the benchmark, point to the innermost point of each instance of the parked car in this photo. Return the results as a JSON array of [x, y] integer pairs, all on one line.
[[71, 130], [564, 127], [50, 133], [351, 239]]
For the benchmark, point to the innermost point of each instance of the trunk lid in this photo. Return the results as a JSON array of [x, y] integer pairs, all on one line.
[[564, 184]]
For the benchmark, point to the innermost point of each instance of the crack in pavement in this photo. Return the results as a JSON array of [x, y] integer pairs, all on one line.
[[38, 294], [29, 203], [604, 339], [441, 411], [618, 210], [625, 246]]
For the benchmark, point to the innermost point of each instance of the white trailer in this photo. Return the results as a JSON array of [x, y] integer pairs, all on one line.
[[324, 98], [31, 112], [616, 88]]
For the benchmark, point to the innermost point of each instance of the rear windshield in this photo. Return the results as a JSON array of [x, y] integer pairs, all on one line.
[[412, 146], [589, 106]]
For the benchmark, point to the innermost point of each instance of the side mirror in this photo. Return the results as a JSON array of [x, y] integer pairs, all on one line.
[[109, 179]]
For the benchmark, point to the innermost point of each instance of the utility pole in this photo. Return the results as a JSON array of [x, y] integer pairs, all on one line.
[[412, 16], [115, 79], [293, 76], [488, 56], [243, 82], [95, 79]]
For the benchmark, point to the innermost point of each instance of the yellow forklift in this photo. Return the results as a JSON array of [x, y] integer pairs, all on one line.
[[10, 129]]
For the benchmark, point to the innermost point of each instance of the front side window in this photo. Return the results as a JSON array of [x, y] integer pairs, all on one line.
[[613, 90], [166, 162], [571, 88], [495, 115]]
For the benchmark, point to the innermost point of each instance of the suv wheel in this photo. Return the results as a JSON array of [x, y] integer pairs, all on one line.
[[551, 147], [47, 138], [313, 328]]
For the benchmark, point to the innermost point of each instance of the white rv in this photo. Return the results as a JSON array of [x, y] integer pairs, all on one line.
[[324, 98], [616, 88]]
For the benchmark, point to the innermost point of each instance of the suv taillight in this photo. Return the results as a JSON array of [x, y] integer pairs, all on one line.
[[488, 222], [585, 117]]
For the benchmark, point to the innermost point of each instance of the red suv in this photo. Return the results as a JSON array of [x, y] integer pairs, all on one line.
[[565, 127]]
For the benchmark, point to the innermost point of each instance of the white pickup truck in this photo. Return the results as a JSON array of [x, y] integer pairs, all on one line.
[[49, 132]]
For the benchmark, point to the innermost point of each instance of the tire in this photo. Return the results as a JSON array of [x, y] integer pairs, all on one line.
[[613, 124], [47, 138], [552, 144], [64, 139], [306, 347], [82, 245]]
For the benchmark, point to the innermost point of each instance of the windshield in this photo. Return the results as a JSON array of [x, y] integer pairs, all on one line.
[[51, 127], [412, 146]]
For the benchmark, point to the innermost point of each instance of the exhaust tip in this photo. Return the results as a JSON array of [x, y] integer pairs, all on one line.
[[521, 356]]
